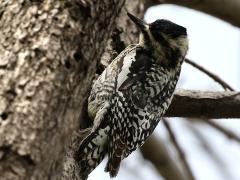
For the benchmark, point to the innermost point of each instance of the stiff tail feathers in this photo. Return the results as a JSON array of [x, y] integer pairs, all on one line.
[[115, 158]]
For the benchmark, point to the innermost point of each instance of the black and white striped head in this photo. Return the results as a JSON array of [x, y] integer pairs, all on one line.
[[166, 40]]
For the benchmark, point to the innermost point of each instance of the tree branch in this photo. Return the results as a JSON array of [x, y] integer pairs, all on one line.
[[179, 150], [228, 133], [226, 10], [210, 74], [210, 150], [198, 104], [162, 160]]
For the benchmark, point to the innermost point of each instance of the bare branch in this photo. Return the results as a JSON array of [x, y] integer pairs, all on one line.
[[226, 10], [225, 131], [210, 150], [161, 158], [179, 150], [198, 104], [210, 74]]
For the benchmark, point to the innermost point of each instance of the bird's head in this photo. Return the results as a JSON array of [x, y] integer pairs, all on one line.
[[166, 40]]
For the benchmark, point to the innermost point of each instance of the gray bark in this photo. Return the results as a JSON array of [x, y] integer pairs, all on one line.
[[48, 55], [207, 105]]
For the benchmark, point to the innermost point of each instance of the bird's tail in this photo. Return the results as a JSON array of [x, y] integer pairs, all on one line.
[[91, 152], [115, 157]]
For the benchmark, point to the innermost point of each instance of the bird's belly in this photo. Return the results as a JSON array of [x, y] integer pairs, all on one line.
[[135, 123], [139, 122]]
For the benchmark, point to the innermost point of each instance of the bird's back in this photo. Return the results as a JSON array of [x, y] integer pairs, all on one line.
[[103, 87]]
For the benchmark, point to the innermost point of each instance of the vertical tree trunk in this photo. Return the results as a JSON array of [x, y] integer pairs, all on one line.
[[49, 50]]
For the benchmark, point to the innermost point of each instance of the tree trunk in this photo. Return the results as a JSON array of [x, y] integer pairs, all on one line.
[[48, 56]]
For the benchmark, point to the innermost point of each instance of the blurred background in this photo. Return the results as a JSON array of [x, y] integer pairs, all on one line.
[[211, 155]]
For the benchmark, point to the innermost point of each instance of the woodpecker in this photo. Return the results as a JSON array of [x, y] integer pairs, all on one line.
[[132, 94]]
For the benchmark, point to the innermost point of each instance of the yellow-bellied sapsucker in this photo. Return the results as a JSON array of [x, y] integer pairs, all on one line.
[[132, 94]]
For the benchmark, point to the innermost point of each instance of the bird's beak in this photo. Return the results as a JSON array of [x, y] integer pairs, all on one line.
[[140, 23]]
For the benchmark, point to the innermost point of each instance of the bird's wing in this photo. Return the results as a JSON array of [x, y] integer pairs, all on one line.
[[104, 87], [134, 68], [142, 80]]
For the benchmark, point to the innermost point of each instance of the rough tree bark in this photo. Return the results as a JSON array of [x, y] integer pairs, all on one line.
[[204, 104], [49, 51]]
